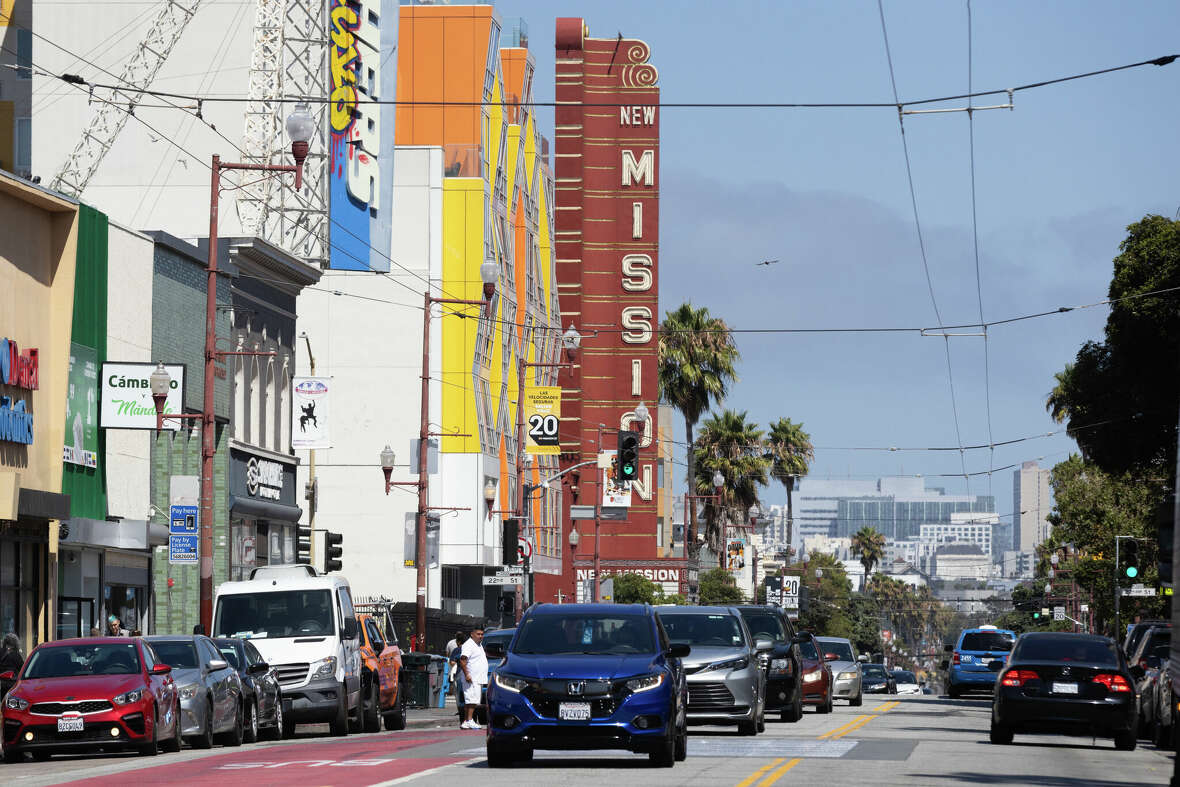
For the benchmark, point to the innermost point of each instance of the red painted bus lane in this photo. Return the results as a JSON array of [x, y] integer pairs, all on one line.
[[347, 763]]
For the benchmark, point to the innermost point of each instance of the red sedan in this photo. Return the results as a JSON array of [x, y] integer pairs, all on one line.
[[817, 676], [100, 693]]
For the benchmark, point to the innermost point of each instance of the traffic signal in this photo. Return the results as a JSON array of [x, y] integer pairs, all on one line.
[[628, 455], [509, 542], [303, 544], [332, 551], [1130, 559]]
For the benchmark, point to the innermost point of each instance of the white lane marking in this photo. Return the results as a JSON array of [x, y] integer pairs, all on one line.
[[428, 772]]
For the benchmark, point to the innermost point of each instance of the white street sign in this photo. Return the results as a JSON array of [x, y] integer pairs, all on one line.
[[1085, 608], [125, 396], [1059, 613], [1139, 590], [502, 580]]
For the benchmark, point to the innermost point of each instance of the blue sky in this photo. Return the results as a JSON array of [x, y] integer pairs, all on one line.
[[825, 191]]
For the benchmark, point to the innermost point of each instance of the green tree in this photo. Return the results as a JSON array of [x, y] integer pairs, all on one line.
[[636, 589], [1118, 398], [790, 454], [824, 613], [717, 586], [729, 444], [697, 360], [869, 547], [676, 599]]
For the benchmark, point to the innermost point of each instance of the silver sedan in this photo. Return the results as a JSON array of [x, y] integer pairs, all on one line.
[[210, 689], [846, 678]]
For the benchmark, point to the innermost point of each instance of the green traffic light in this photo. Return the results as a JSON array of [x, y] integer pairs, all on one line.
[[628, 470], [1132, 571], [1036, 615]]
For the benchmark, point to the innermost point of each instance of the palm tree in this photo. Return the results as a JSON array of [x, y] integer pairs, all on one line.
[[1058, 401], [869, 547], [791, 453], [697, 357], [731, 445]]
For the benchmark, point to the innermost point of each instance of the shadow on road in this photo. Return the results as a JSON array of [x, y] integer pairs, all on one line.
[[989, 777], [637, 762]]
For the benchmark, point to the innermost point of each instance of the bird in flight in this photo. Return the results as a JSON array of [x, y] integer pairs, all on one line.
[[766, 262]]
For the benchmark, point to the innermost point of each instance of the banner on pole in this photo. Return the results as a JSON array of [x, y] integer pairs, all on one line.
[[542, 419], [310, 415]]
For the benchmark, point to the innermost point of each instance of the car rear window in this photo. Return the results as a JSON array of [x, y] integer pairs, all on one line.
[[987, 640], [808, 650], [874, 671], [1066, 649]]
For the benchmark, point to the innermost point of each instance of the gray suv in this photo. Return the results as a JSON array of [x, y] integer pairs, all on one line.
[[726, 683]]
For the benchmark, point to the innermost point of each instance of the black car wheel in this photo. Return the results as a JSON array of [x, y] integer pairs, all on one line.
[[205, 739], [339, 725], [1126, 741], [288, 721], [356, 717], [373, 708], [172, 745], [396, 720], [250, 726], [236, 732], [1000, 734], [682, 743], [857, 701], [12, 756], [499, 757], [664, 756], [276, 732]]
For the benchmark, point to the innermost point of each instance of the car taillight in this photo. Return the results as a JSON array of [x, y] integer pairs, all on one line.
[[1113, 682], [957, 657], [1017, 677]]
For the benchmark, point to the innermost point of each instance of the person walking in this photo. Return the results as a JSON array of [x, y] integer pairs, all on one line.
[[474, 663]]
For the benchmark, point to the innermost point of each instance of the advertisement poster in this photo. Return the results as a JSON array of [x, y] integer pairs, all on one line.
[[615, 493], [125, 396], [542, 420], [81, 443], [309, 428], [735, 554]]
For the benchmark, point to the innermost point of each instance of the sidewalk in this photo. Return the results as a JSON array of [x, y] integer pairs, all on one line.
[[428, 718]]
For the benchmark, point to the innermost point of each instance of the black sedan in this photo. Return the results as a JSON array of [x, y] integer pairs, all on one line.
[[876, 679], [1071, 684], [263, 700]]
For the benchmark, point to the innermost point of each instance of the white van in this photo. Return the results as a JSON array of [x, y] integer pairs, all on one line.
[[304, 625]]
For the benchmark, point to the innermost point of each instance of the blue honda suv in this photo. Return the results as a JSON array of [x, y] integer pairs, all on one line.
[[588, 676]]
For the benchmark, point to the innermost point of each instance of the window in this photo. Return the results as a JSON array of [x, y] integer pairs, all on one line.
[[177, 654], [252, 655], [288, 613], [72, 661], [345, 608], [374, 636], [24, 53], [24, 144], [585, 633]]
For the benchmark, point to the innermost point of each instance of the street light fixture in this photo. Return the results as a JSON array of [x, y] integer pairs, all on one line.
[[489, 273], [160, 382], [753, 514], [489, 495], [571, 340], [387, 462], [641, 414], [300, 127], [718, 481]]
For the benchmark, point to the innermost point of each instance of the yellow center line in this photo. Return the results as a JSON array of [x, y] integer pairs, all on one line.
[[886, 706], [753, 777], [830, 733], [772, 778], [854, 727]]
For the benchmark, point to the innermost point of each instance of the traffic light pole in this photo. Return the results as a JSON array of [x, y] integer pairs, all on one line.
[[1118, 589]]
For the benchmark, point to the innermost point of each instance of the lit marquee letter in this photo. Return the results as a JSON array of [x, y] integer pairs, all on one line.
[[637, 325], [642, 171], [637, 273]]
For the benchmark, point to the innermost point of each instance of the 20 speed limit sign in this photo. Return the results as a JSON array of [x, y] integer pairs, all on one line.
[[542, 418]]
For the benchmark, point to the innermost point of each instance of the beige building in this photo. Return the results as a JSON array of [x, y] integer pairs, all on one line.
[[1031, 504]]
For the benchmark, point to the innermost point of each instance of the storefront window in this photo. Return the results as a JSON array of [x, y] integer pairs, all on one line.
[[125, 601], [245, 538]]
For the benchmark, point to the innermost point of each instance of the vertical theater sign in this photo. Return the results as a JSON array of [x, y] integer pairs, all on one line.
[[607, 170]]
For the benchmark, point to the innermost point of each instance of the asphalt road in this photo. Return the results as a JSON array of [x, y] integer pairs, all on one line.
[[890, 740]]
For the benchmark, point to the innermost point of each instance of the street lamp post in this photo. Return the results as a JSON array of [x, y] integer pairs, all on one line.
[[575, 539], [300, 127], [571, 340]]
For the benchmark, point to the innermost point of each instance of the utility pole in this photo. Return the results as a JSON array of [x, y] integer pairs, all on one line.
[[311, 471]]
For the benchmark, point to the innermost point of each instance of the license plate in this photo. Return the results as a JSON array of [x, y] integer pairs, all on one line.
[[1064, 688], [69, 724], [574, 711]]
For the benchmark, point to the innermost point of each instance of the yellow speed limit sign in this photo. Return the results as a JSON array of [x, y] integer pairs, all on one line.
[[542, 420]]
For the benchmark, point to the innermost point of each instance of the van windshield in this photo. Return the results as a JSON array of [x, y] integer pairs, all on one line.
[[284, 613]]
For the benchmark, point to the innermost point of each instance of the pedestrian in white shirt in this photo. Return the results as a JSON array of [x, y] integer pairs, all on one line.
[[473, 663]]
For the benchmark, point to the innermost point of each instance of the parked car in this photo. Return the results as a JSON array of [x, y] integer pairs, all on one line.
[[877, 680], [971, 658], [263, 699], [501, 637], [211, 698], [726, 685], [304, 625], [1148, 686], [1135, 631], [1070, 684], [817, 675], [841, 656], [83, 695], [906, 682], [1165, 708], [381, 665], [588, 676], [784, 690]]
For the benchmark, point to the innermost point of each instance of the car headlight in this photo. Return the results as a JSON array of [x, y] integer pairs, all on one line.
[[846, 675], [325, 668], [16, 703], [128, 697], [813, 676], [189, 691], [779, 665], [645, 683], [739, 663], [510, 682]]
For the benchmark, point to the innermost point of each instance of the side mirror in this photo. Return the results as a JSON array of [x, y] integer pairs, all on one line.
[[763, 643], [259, 668], [678, 651], [10, 675], [862, 658], [495, 650], [159, 669], [215, 664], [351, 631], [831, 657], [996, 665]]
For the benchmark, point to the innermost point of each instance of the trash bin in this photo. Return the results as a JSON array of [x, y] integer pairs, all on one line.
[[415, 679]]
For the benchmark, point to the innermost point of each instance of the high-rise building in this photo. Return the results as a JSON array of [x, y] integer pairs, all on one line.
[[16, 87], [1031, 504]]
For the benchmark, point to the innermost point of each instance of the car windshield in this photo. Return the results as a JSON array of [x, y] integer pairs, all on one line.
[[230, 654], [842, 650], [1092, 651], [874, 671], [765, 624], [71, 661], [178, 654], [987, 640], [703, 629], [808, 650], [286, 613], [590, 633], [904, 676]]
